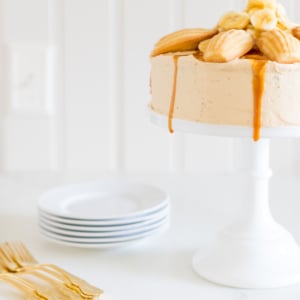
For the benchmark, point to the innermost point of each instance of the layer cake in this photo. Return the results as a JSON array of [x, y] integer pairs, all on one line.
[[244, 72]]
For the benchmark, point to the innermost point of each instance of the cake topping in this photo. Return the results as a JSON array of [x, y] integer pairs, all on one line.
[[280, 46], [261, 33], [203, 45], [228, 45], [234, 20], [261, 4], [182, 40], [263, 25], [263, 19]]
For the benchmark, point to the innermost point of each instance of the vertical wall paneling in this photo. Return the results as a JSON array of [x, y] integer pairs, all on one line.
[[146, 145], [56, 92], [27, 122], [297, 11], [116, 84], [205, 13], [177, 140], [290, 6], [27, 115], [177, 12], [239, 5], [2, 82], [86, 89]]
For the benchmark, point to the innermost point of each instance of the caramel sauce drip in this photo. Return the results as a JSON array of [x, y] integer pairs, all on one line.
[[258, 67], [173, 97]]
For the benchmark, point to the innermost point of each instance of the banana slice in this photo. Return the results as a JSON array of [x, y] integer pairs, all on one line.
[[263, 19], [261, 4], [234, 20]]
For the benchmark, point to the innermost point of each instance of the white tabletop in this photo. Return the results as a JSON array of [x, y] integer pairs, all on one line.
[[161, 267]]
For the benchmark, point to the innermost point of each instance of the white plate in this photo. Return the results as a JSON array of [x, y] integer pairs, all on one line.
[[105, 240], [125, 221], [101, 201], [103, 228], [101, 234], [89, 245]]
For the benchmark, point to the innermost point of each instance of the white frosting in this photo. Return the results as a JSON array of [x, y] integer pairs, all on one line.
[[222, 93]]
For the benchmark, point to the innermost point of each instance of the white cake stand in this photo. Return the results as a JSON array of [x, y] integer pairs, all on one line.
[[255, 251]]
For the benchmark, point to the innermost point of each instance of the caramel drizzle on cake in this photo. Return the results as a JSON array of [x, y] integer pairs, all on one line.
[[258, 67], [173, 97]]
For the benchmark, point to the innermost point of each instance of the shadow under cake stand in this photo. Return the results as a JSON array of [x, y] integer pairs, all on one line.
[[255, 251]]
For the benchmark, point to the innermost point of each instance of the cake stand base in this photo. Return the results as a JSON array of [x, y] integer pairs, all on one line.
[[255, 252], [260, 262]]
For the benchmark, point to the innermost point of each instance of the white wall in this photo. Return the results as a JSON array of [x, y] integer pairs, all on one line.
[[74, 85]]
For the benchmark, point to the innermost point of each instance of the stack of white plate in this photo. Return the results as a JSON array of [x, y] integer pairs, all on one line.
[[104, 214]]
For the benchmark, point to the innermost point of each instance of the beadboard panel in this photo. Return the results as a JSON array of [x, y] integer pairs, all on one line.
[[205, 13], [25, 21], [27, 102], [74, 88], [86, 55]]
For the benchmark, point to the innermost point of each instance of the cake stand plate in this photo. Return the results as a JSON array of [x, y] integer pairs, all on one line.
[[255, 251], [221, 130]]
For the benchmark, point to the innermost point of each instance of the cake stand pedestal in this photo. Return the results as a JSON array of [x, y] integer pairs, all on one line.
[[255, 251]]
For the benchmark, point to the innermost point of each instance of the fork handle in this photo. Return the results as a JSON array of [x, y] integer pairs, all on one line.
[[73, 282], [84, 287], [22, 285]]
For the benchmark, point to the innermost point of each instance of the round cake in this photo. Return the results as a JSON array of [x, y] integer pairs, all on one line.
[[244, 72]]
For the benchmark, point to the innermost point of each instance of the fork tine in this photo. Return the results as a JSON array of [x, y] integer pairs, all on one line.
[[23, 252], [14, 251], [6, 260]]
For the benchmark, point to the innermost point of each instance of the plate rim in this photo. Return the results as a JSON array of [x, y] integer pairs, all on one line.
[[106, 240], [102, 246], [103, 228], [77, 189], [106, 234], [122, 221]]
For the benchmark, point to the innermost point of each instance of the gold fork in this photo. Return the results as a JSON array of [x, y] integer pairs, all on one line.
[[29, 292], [19, 259], [52, 286], [38, 276]]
